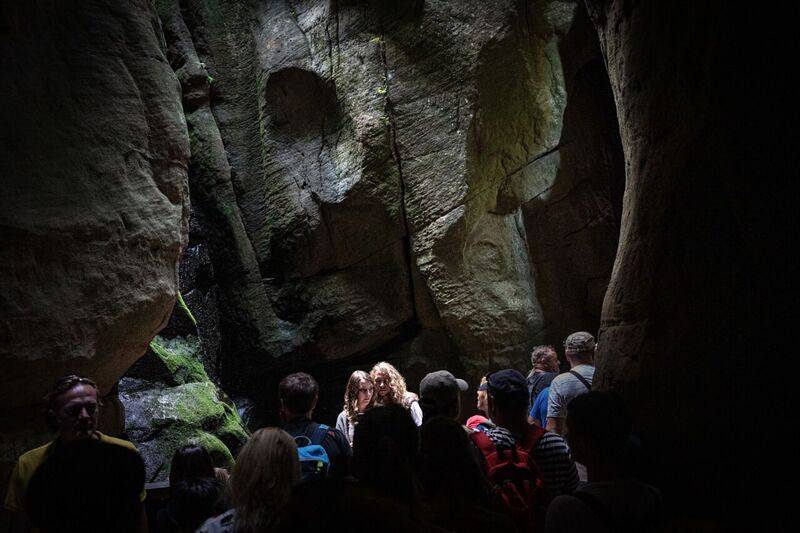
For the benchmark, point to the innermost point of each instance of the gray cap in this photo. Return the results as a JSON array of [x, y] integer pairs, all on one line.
[[580, 341]]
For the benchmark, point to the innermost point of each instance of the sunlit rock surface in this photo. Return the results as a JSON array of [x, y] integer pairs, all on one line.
[[367, 180]]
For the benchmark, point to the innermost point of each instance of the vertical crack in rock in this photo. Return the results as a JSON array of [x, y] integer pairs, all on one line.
[[392, 128]]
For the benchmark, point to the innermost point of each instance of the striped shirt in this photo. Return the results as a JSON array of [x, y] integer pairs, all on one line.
[[551, 455], [557, 468]]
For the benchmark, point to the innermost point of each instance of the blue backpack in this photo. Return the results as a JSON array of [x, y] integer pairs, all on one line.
[[314, 461]]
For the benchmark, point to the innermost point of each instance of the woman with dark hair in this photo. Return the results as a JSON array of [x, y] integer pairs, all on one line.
[[190, 461], [358, 397], [193, 480], [267, 469]]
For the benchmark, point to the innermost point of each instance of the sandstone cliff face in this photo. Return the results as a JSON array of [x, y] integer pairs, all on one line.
[[94, 201], [368, 178]]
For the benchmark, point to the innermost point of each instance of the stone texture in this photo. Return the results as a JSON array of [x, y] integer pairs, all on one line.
[[170, 401], [697, 302], [363, 174], [93, 207], [572, 227]]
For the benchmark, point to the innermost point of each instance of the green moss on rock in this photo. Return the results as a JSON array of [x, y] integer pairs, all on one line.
[[179, 356], [162, 420]]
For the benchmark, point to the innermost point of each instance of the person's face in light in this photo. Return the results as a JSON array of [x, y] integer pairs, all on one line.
[[365, 392], [383, 385], [76, 412]]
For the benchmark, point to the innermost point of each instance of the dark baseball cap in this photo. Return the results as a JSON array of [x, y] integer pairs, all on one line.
[[508, 385], [439, 391], [441, 383]]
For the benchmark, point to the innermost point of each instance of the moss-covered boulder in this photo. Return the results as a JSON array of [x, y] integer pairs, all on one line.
[[170, 401]]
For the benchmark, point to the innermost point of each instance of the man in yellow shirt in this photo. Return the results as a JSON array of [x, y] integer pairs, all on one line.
[[72, 411]]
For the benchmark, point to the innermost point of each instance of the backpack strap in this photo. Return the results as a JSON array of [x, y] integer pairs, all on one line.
[[582, 380]]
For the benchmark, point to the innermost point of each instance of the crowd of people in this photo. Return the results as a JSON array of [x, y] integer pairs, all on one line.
[[546, 454]]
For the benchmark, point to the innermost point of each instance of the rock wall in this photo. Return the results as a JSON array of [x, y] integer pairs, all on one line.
[[170, 401], [94, 201], [697, 302], [368, 178]]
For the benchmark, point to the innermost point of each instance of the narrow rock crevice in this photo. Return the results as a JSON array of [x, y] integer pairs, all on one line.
[[393, 145]]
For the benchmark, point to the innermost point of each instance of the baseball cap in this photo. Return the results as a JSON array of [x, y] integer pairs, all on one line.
[[508, 385], [441, 383], [440, 388], [580, 341]]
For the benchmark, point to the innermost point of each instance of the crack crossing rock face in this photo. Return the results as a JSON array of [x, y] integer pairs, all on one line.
[[359, 172]]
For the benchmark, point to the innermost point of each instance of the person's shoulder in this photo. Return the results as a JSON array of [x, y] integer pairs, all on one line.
[[565, 502], [119, 442], [560, 379], [550, 444], [35, 456], [335, 433]]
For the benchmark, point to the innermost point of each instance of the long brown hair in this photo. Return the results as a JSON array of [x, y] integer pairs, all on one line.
[[266, 470], [351, 394]]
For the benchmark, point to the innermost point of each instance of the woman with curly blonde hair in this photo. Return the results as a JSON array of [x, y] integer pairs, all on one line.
[[358, 396], [390, 388]]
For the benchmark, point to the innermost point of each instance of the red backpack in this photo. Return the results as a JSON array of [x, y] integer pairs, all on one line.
[[514, 479]]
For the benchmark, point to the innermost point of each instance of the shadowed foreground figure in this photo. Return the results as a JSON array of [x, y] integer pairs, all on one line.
[[454, 488], [599, 431], [73, 407], [267, 469], [87, 485]]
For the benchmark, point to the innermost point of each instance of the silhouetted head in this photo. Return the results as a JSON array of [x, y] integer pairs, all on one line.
[[599, 428], [193, 501], [440, 394], [298, 394], [266, 470], [385, 451], [448, 465], [190, 461]]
